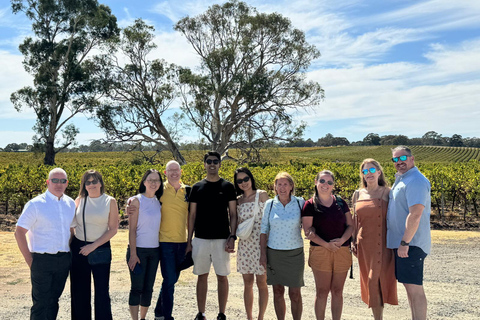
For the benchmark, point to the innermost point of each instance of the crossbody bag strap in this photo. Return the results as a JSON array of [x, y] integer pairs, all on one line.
[[256, 205], [84, 226]]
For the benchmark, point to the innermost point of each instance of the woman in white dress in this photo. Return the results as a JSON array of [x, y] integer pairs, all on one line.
[[250, 203]]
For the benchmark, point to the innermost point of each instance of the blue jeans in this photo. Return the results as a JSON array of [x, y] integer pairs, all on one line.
[[171, 255]]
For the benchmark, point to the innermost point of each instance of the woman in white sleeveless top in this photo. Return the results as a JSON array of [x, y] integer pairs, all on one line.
[[143, 253], [100, 213]]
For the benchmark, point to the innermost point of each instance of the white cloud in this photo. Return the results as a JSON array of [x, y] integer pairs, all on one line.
[[405, 98]]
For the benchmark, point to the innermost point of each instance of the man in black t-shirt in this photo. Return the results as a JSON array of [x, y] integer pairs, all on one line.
[[213, 217]]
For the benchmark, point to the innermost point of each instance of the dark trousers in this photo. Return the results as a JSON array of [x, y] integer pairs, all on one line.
[[48, 274], [171, 255], [81, 288], [142, 282]]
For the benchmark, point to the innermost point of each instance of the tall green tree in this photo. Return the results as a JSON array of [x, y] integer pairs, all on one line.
[[65, 33], [251, 76], [139, 91]]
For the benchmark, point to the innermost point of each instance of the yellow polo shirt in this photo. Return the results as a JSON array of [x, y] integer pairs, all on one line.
[[173, 226]]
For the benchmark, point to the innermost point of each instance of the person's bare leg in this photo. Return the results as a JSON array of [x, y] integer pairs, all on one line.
[[248, 294], [279, 301], [336, 288], [417, 301], [134, 312], [296, 305], [262, 295], [143, 312], [378, 302], [202, 287], [222, 283], [323, 282]]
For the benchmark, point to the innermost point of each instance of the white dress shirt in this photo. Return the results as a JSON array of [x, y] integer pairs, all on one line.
[[48, 220]]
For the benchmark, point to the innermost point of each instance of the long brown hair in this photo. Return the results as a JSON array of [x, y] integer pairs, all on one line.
[[87, 175]]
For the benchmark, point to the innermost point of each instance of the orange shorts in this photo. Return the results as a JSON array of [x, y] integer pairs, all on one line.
[[321, 259]]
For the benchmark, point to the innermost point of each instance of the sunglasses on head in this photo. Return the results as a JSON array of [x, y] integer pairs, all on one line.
[[372, 170], [87, 183], [56, 180], [240, 181], [402, 158], [322, 181], [210, 161]]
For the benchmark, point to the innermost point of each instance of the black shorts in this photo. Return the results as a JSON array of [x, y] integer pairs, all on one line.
[[410, 270]]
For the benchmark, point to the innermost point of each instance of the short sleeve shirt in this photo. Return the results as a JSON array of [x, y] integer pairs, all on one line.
[[329, 222], [282, 224], [48, 220], [174, 214], [212, 199], [409, 189]]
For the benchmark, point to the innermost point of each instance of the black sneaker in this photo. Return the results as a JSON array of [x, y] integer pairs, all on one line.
[[221, 316], [200, 316]]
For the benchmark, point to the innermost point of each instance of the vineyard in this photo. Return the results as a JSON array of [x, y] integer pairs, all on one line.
[[453, 172]]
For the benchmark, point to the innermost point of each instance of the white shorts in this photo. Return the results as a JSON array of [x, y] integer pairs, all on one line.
[[206, 251]]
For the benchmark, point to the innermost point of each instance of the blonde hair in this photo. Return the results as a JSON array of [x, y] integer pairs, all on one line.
[[382, 181], [284, 175]]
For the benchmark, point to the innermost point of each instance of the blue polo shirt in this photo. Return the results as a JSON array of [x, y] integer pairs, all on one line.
[[409, 189]]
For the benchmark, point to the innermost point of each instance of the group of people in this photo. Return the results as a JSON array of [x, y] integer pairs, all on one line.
[[176, 226]]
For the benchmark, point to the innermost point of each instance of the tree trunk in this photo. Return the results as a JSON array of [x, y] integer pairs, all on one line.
[[176, 153], [49, 154]]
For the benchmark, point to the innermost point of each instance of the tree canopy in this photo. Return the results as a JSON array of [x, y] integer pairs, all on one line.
[[65, 32], [251, 76], [138, 92]]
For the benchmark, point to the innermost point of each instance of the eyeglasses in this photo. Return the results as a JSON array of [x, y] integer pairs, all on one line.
[[87, 183], [240, 181], [372, 170], [210, 161], [322, 181], [153, 180], [403, 158], [56, 180]]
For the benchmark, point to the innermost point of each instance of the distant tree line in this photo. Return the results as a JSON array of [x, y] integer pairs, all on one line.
[[431, 138]]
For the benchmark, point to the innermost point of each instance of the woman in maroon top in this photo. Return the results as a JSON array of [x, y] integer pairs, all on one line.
[[328, 225]]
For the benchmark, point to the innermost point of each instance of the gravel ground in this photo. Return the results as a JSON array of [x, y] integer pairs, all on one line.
[[452, 285]]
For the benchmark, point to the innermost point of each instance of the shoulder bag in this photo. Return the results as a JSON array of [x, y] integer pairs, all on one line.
[[101, 255]]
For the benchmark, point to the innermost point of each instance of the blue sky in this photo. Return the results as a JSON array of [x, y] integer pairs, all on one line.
[[388, 67]]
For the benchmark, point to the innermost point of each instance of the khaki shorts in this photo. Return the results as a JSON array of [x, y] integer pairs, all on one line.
[[321, 259], [208, 251]]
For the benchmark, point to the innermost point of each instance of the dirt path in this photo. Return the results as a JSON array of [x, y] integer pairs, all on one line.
[[452, 284]]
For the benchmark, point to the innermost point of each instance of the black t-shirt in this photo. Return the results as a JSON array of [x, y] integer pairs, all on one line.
[[212, 198]]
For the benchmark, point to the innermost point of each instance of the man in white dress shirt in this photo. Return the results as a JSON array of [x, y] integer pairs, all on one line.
[[43, 234]]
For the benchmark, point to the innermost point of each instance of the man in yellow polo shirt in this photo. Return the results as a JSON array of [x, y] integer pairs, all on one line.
[[173, 236]]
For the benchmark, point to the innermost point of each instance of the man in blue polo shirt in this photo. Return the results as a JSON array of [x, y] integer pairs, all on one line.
[[408, 228]]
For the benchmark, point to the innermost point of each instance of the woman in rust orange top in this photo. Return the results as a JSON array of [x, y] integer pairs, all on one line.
[[376, 262]]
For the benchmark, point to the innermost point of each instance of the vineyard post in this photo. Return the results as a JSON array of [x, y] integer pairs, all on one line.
[[443, 203]]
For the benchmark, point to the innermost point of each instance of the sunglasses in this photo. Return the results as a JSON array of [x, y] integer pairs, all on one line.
[[87, 183], [402, 158], [210, 161], [322, 181], [56, 180], [372, 170], [240, 181]]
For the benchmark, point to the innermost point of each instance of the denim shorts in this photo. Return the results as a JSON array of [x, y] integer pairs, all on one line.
[[410, 270]]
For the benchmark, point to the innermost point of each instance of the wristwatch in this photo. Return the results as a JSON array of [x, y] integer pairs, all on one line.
[[233, 236], [405, 244]]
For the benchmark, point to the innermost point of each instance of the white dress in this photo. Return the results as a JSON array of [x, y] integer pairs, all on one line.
[[248, 251]]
